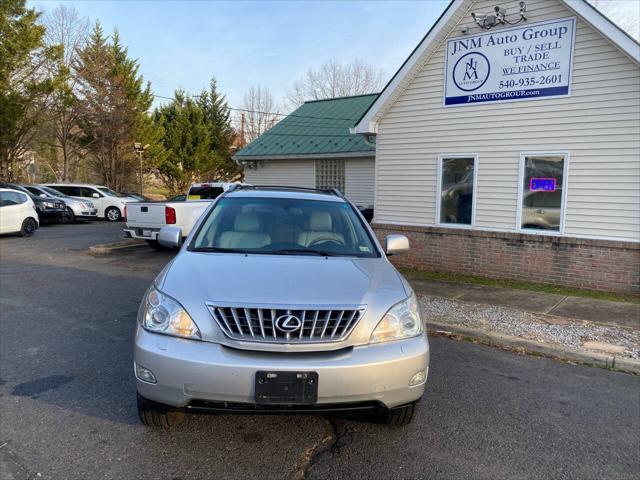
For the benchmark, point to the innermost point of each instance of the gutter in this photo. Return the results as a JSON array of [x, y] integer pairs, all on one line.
[[305, 156]]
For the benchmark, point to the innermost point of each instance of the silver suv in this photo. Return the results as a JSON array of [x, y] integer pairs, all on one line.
[[280, 300]]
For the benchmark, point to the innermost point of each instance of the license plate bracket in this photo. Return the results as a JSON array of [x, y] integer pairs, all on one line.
[[286, 388]]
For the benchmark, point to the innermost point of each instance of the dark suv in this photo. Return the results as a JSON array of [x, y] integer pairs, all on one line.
[[49, 209]]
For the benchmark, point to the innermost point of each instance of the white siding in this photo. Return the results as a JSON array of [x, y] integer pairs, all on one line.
[[599, 125], [292, 173], [359, 180]]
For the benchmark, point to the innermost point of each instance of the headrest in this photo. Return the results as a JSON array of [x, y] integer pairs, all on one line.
[[320, 222], [246, 222]]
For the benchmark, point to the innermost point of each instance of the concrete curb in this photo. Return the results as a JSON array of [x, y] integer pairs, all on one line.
[[524, 345], [108, 248]]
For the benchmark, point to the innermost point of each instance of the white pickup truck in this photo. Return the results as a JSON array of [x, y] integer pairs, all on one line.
[[145, 219]]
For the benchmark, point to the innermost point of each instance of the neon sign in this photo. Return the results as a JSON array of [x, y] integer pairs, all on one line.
[[542, 185]]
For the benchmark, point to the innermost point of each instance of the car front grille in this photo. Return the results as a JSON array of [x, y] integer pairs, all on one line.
[[277, 324]]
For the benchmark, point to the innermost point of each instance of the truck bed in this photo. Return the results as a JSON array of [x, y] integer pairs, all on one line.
[[145, 219]]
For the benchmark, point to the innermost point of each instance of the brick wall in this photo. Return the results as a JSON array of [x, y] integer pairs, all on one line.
[[612, 266]]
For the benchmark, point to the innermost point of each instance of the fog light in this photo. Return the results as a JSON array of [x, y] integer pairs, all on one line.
[[144, 374], [418, 379]]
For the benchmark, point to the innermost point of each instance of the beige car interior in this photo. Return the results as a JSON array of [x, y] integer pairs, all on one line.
[[248, 232], [245, 234]]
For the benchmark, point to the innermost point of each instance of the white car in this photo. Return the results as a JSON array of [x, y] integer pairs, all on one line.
[[145, 219], [109, 204], [17, 213], [76, 209]]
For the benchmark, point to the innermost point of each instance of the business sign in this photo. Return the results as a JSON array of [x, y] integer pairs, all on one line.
[[542, 185], [520, 63]]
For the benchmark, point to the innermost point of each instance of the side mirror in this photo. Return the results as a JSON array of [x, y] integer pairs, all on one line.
[[170, 237], [43, 195], [95, 195], [396, 244]]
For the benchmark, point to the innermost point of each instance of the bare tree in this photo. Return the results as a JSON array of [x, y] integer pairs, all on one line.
[[259, 113], [611, 9], [65, 27], [335, 80]]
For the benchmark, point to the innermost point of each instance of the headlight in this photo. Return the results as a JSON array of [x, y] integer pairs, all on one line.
[[49, 204], [401, 321], [162, 314]]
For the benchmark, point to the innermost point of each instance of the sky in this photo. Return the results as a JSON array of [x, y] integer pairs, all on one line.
[[266, 43]]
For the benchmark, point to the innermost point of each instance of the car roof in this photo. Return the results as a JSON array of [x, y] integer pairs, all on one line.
[[3, 189], [285, 192], [75, 185]]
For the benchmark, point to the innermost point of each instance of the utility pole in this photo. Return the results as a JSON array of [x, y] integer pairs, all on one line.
[[242, 120], [139, 149]]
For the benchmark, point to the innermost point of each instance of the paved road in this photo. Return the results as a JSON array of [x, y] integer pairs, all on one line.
[[67, 396]]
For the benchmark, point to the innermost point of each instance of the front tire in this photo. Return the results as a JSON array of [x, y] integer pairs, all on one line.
[[28, 227], [68, 217], [157, 246], [113, 214], [399, 416], [156, 416]]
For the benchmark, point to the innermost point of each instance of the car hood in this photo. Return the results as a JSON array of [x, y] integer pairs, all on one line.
[[196, 278]]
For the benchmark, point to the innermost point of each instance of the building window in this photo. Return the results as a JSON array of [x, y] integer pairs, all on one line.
[[456, 189], [542, 192], [330, 174]]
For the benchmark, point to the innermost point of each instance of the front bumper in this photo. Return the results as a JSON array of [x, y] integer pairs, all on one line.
[[142, 233], [49, 214], [194, 373], [86, 213]]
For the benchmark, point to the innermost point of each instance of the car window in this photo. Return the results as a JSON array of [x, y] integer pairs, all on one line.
[[53, 192], [12, 198], [204, 192], [33, 190], [110, 193], [88, 192], [68, 190], [284, 226]]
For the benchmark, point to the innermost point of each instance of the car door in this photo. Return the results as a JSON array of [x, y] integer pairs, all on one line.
[[88, 193], [11, 211]]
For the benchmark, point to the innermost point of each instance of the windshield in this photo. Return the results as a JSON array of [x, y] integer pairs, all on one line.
[[53, 192], [204, 192], [111, 193], [284, 226]]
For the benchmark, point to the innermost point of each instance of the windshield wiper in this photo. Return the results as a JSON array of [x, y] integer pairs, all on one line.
[[297, 251]]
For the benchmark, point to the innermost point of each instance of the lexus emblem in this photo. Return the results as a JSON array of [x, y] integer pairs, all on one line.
[[288, 323]]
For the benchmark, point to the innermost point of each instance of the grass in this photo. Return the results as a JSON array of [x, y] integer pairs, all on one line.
[[520, 285]]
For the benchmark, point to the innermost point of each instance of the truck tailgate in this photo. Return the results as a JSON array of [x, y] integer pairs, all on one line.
[[149, 214]]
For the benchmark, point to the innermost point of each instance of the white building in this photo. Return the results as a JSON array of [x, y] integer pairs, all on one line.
[[312, 147], [508, 145]]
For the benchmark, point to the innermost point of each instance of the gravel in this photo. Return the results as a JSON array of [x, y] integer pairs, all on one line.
[[542, 328]]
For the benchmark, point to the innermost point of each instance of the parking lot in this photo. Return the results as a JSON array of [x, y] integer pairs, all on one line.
[[67, 395]]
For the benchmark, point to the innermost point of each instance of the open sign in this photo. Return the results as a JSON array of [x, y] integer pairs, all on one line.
[[542, 185]]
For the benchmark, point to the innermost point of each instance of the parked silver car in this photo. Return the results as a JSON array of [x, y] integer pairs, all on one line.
[[76, 209], [280, 300]]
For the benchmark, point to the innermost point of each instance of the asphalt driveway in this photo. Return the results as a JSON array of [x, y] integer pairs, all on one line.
[[67, 395]]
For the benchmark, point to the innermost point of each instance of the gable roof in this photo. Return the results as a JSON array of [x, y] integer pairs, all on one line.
[[317, 128], [452, 15]]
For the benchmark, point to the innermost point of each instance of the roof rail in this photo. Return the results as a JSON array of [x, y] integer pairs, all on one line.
[[331, 191]]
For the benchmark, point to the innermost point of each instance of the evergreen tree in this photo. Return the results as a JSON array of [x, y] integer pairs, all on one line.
[[26, 81], [218, 119], [115, 105], [197, 140], [187, 141]]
